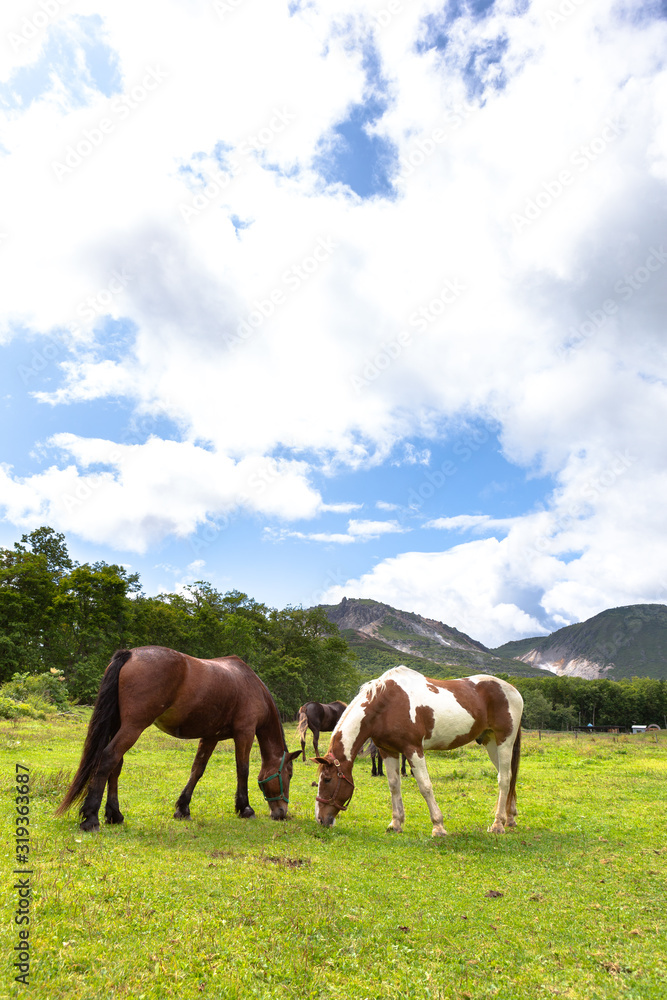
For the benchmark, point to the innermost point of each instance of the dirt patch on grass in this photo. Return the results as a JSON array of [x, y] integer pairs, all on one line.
[[286, 862]]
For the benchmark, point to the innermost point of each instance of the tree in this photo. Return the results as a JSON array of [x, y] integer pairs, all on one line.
[[55, 614], [91, 611], [50, 544], [536, 710], [327, 666], [27, 593]]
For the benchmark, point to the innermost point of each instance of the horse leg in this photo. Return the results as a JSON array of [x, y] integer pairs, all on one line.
[[303, 749], [420, 772], [403, 760], [394, 782], [242, 803], [112, 757], [316, 736], [112, 813], [204, 751], [501, 758]]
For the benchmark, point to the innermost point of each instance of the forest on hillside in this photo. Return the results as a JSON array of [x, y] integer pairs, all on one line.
[[60, 623], [67, 620]]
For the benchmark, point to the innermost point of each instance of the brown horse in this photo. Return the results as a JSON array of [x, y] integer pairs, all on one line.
[[376, 762], [211, 700], [404, 712], [318, 718]]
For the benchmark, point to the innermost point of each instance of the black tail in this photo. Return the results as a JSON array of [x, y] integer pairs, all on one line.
[[103, 726], [516, 757]]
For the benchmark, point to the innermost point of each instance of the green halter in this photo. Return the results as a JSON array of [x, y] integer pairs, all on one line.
[[278, 774]]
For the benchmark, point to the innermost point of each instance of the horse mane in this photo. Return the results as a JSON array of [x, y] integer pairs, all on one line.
[[271, 704], [378, 684]]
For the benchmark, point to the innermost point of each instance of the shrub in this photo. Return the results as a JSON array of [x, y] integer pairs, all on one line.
[[44, 692], [10, 709]]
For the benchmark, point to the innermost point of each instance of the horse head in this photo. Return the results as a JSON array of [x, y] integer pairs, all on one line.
[[334, 790], [274, 780]]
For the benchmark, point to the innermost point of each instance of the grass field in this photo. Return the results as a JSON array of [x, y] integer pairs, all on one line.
[[571, 904]]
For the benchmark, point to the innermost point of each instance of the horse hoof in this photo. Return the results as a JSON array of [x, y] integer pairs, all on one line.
[[180, 815], [114, 819], [497, 828], [439, 832], [248, 813], [394, 829], [90, 826]]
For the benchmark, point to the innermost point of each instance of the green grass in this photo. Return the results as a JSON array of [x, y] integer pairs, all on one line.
[[224, 908]]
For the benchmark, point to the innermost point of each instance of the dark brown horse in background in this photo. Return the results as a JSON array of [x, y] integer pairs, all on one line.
[[209, 700], [318, 718], [376, 762]]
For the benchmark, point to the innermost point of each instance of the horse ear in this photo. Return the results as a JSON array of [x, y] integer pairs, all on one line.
[[320, 760], [295, 754]]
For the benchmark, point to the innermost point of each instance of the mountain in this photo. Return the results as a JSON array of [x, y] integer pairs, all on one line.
[[619, 642], [377, 633]]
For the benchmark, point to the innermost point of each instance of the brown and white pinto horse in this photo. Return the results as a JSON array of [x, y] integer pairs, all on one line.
[[318, 718], [189, 698], [404, 712]]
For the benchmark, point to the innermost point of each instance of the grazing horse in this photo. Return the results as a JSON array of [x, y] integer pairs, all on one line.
[[318, 718], [376, 762], [211, 700], [404, 712]]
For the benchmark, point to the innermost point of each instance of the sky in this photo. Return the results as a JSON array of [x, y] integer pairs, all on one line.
[[343, 298]]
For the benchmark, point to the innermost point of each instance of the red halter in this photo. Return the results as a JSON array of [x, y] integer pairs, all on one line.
[[341, 777]]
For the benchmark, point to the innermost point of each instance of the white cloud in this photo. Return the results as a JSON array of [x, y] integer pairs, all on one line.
[[465, 522], [357, 531], [600, 544], [155, 489], [516, 278]]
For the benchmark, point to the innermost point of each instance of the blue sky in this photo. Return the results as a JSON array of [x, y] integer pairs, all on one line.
[[369, 304]]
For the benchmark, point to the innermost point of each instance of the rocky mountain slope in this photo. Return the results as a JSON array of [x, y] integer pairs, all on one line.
[[378, 632], [620, 642]]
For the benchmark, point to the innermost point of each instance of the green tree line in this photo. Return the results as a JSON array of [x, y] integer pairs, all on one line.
[[569, 702], [65, 620], [56, 615]]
